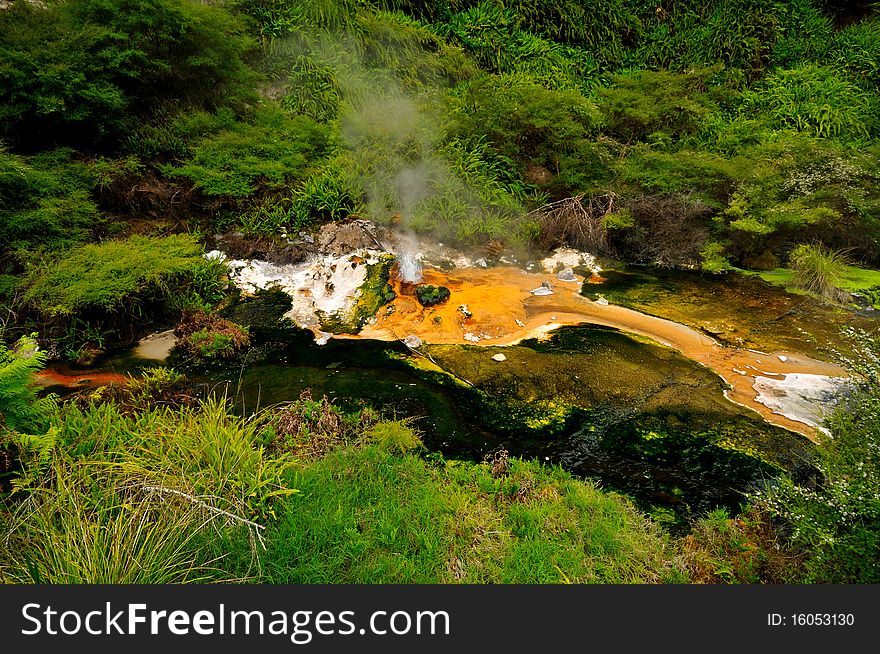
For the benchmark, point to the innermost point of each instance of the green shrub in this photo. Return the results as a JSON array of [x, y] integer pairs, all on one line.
[[45, 200], [819, 270], [20, 407], [837, 523], [78, 71], [856, 49], [207, 337], [813, 99], [534, 126], [491, 34], [394, 436], [429, 295], [271, 153], [102, 276], [648, 103]]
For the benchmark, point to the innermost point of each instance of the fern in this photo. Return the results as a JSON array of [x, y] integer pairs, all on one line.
[[20, 408]]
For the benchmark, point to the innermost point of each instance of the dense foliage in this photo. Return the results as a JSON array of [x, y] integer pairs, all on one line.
[[700, 134]]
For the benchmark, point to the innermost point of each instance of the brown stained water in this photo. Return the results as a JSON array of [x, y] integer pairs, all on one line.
[[504, 311]]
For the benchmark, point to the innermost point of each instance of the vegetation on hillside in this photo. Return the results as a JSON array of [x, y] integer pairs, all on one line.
[[698, 134]]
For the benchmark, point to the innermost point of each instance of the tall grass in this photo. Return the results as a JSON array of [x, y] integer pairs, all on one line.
[[819, 269], [91, 527], [150, 496]]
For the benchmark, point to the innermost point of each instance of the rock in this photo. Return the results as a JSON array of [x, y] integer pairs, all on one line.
[[323, 338], [782, 357], [538, 175], [473, 338], [566, 275], [519, 322], [463, 309], [291, 254], [499, 357], [602, 302], [337, 239], [412, 341], [764, 261], [543, 289]]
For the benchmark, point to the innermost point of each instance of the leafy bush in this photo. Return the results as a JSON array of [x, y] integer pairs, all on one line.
[[648, 103], [102, 276], [206, 337], [271, 153], [394, 436], [837, 523], [45, 200], [491, 34], [857, 49], [20, 408], [534, 126], [77, 71], [429, 295], [817, 100]]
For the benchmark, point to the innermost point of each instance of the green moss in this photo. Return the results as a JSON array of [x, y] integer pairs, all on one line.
[[373, 294], [429, 295], [103, 275]]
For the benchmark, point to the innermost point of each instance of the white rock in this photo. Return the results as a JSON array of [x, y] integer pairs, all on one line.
[[473, 338], [803, 397], [412, 341], [541, 290], [566, 275], [519, 322], [323, 338], [602, 302], [782, 357], [499, 357]]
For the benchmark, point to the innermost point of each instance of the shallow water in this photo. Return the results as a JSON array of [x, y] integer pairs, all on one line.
[[637, 417], [651, 420]]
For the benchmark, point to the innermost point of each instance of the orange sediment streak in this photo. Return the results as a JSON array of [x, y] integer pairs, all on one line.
[[499, 297], [50, 377]]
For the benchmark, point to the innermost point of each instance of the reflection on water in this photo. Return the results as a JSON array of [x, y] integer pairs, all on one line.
[[638, 417]]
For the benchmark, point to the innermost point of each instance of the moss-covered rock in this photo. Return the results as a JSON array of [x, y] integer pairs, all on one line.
[[373, 294], [429, 295]]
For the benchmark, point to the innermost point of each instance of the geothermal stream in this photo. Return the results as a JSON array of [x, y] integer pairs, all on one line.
[[503, 305], [504, 311]]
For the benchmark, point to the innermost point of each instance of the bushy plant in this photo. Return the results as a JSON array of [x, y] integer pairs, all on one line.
[[45, 200], [814, 99], [208, 337], [648, 103], [128, 56], [534, 126], [394, 436], [837, 523], [271, 153], [818, 269], [101, 276], [20, 407]]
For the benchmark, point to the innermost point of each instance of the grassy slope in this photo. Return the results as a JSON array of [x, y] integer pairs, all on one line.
[[365, 516], [358, 515]]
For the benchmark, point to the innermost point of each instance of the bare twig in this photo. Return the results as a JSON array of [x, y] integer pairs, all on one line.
[[195, 500]]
